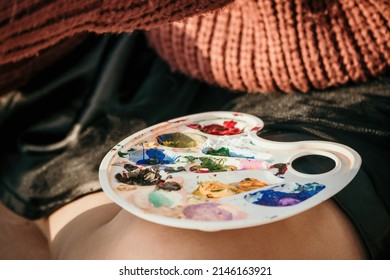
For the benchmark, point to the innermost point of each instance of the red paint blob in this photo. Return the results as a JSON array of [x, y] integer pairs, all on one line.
[[228, 128]]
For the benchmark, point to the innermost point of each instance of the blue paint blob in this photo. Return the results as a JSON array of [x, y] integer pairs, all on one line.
[[156, 156], [232, 154], [285, 194]]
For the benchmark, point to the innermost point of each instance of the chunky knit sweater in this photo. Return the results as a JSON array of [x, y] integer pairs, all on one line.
[[255, 46]]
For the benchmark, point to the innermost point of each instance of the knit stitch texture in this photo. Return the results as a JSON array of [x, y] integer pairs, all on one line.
[[257, 46], [287, 45]]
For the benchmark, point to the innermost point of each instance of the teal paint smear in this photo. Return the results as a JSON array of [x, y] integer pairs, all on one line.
[[157, 199]]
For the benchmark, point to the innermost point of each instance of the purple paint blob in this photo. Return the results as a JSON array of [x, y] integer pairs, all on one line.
[[287, 201], [209, 211]]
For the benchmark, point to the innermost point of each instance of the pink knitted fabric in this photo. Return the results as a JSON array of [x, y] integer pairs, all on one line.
[[36, 33], [250, 45], [287, 45]]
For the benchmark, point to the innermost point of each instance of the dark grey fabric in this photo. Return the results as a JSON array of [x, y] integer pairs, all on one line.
[[113, 86]]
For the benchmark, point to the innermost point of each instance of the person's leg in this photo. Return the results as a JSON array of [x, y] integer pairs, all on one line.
[[101, 230], [20, 238]]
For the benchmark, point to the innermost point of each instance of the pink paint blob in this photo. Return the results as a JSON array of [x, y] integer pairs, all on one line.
[[247, 164]]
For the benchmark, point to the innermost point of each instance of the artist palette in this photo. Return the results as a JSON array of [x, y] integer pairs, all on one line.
[[212, 171]]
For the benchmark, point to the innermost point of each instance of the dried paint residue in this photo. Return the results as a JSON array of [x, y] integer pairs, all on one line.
[[134, 175], [285, 194], [148, 176], [170, 169], [227, 128], [281, 168], [170, 184]]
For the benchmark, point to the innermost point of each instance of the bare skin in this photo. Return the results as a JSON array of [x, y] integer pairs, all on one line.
[[95, 228]]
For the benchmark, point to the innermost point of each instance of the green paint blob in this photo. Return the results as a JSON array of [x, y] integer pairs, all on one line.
[[157, 199], [220, 152], [122, 155], [214, 164]]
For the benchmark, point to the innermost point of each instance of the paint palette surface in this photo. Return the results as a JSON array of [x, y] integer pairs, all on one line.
[[211, 171]]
